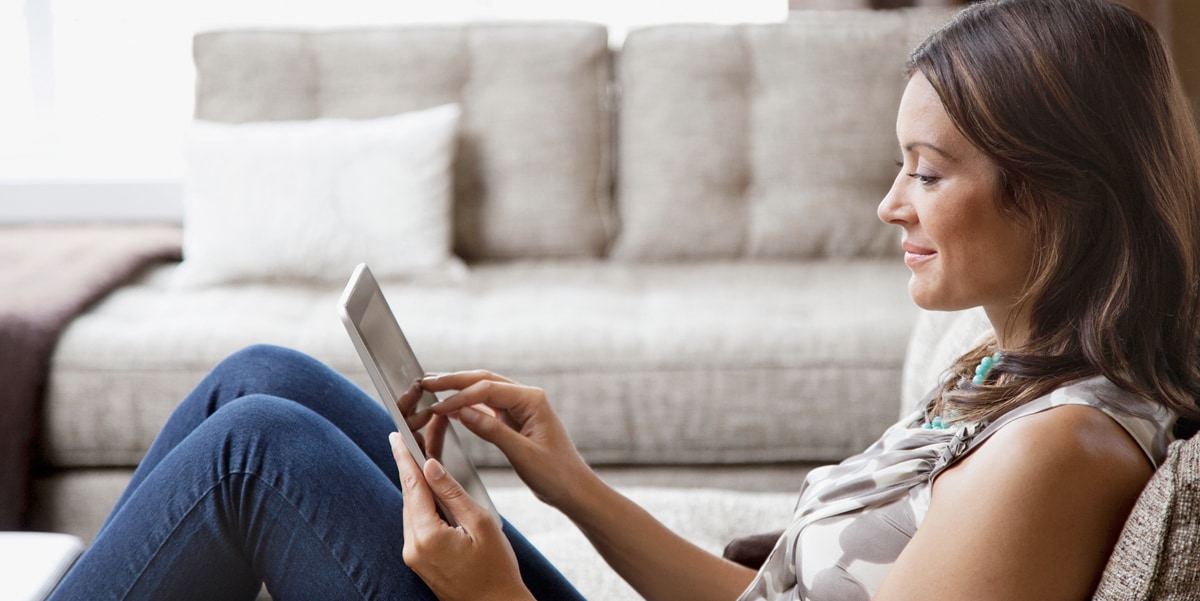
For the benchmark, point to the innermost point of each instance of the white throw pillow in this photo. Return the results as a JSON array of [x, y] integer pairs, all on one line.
[[308, 200]]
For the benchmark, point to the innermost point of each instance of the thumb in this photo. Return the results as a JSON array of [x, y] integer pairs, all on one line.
[[491, 429], [453, 496]]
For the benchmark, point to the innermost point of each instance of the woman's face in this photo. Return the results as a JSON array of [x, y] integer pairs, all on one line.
[[962, 251]]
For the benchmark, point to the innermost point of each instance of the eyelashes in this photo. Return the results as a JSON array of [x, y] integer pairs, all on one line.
[[924, 180]]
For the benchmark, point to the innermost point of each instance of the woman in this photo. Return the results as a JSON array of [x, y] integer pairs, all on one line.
[[1050, 173]]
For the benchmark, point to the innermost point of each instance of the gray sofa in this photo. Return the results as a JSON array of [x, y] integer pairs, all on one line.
[[676, 239]]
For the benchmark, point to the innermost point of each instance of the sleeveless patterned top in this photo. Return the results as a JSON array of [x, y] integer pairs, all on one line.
[[853, 519]]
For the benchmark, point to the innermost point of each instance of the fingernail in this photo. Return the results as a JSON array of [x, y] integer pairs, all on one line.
[[435, 470], [430, 377], [469, 415], [394, 439]]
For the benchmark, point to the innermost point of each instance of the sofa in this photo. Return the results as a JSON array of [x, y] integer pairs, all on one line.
[[675, 238]]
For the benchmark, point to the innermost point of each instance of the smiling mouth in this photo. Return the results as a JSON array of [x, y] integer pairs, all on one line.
[[914, 259], [916, 255]]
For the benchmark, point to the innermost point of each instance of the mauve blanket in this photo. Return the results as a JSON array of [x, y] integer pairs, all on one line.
[[48, 275]]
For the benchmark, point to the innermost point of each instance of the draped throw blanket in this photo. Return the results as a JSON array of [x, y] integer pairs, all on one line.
[[48, 275]]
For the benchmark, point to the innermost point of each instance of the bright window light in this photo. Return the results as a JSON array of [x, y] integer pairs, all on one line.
[[18, 114], [102, 90]]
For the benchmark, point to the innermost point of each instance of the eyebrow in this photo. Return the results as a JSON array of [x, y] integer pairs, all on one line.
[[941, 151]]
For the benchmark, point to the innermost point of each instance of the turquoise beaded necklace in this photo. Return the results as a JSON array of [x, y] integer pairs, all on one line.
[[984, 368], [981, 374]]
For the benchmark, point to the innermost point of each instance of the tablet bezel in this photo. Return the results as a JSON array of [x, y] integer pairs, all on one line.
[[353, 309]]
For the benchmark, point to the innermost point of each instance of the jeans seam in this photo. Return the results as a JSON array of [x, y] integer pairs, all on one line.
[[308, 524], [142, 572]]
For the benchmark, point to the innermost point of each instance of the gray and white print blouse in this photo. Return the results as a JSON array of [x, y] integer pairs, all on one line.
[[853, 519]]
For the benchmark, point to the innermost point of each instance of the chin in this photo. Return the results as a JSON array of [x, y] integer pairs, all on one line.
[[930, 299]]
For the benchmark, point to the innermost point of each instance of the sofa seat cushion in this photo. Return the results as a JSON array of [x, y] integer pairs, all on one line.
[[737, 362]]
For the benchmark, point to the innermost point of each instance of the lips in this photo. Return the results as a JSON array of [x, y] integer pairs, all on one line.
[[915, 254]]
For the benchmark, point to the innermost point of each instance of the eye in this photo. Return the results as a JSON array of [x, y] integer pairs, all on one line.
[[924, 180]]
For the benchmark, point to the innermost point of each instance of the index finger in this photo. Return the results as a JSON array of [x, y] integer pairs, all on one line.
[[459, 380], [492, 394]]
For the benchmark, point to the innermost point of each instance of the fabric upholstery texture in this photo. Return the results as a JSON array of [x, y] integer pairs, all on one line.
[[764, 135], [309, 200], [1158, 555], [636, 381], [533, 175]]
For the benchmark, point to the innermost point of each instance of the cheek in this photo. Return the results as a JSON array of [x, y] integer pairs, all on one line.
[[1005, 259]]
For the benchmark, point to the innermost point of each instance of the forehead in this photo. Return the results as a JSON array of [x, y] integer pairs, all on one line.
[[923, 120]]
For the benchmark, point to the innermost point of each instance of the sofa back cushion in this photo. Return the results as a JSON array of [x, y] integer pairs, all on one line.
[[532, 173], [762, 141]]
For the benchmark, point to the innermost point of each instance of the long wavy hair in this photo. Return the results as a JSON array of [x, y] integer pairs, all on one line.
[[1078, 105]]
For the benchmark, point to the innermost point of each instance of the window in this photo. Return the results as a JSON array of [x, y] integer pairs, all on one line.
[[20, 119], [101, 91]]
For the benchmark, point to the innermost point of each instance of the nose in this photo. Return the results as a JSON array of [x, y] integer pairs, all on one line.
[[894, 208]]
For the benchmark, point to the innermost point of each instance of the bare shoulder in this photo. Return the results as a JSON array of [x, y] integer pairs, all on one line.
[[1071, 442], [1032, 514], [1072, 460]]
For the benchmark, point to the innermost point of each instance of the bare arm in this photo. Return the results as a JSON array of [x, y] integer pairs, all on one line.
[[658, 563], [1032, 514]]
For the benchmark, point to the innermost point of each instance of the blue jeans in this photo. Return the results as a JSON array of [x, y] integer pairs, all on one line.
[[274, 469]]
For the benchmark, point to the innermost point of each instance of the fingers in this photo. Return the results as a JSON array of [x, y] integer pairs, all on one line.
[[420, 509], [407, 404], [435, 435], [499, 409], [459, 380], [493, 430], [486, 389], [454, 497], [419, 487]]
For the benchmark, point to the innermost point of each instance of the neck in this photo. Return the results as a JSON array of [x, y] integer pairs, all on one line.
[[1010, 325]]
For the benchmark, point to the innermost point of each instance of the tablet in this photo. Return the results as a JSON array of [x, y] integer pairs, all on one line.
[[393, 367]]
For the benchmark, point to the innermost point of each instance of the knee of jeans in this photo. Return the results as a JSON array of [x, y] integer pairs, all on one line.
[[255, 366], [264, 435], [258, 355], [263, 414]]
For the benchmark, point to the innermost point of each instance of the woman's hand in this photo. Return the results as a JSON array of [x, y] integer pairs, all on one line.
[[520, 422], [518, 419], [472, 561]]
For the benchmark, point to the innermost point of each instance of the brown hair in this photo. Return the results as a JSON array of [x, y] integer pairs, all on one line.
[[1077, 104]]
